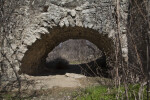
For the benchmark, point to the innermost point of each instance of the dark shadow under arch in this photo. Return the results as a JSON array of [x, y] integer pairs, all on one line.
[[94, 68], [34, 60]]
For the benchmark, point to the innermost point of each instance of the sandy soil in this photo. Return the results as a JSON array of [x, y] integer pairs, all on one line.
[[58, 87], [69, 80]]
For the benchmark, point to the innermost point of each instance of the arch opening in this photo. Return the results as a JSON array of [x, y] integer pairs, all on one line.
[[75, 51], [34, 60], [76, 56]]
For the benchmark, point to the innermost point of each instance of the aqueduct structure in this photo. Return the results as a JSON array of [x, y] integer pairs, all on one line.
[[39, 30]]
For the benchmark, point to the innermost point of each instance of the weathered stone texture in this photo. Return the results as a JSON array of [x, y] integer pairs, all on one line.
[[37, 18]]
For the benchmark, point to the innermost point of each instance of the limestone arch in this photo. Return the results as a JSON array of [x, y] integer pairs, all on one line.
[[32, 25], [34, 58], [58, 24]]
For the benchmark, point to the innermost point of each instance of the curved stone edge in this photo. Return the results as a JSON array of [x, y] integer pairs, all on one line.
[[42, 24]]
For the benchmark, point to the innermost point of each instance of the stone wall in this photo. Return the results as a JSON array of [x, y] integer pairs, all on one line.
[[48, 22], [75, 51]]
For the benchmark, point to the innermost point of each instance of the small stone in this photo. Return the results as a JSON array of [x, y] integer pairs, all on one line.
[[43, 30], [71, 21], [85, 11], [124, 51], [79, 23], [73, 13], [93, 10], [56, 20], [13, 56], [30, 40], [78, 9], [44, 24], [66, 22], [87, 18], [111, 33], [14, 46], [27, 42], [23, 48], [85, 24], [74, 75], [86, 5], [38, 35], [95, 27], [90, 25], [61, 24], [17, 66], [20, 56]]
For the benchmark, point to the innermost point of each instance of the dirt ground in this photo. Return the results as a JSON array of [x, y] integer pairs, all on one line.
[[69, 80], [58, 87], [54, 87]]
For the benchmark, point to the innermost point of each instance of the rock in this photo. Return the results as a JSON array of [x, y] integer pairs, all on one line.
[[78, 8], [14, 46], [71, 21], [86, 5], [41, 30], [56, 20], [73, 13], [85, 24], [90, 25], [124, 50], [44, 24], [17, 65], [87, 18], [23, 48], [96, 27], [78, 21], [29, 40], [123, 40], [111, 33], [93, 10], [72, 75], [27, 25], [20, 56], [61, 24], [65, 20], [38, 35]]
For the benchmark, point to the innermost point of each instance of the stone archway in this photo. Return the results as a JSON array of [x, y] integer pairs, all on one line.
[[39, 31], [34, 59]]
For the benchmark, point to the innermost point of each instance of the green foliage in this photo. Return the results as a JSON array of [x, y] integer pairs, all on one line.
[[96, 93], [7, 96], [13, 96], [105, 93], [134, 91]]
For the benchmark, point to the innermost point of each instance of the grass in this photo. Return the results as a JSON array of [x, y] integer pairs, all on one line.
[[9, 96], [105, 93], [101, 92], [95, 93]]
